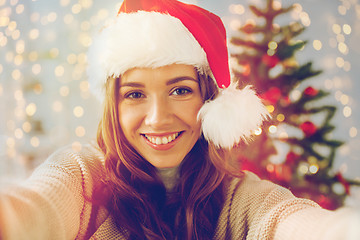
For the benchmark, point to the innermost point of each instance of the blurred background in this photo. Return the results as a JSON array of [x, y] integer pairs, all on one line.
[[45, 101]]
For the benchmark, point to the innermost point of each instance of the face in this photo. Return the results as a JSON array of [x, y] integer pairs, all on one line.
[[158, 112]]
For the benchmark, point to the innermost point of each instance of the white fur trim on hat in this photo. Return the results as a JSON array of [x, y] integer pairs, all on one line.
[[141, 39], [232, 116]]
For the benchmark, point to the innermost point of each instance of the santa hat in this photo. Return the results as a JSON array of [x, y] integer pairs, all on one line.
[[155, 33]]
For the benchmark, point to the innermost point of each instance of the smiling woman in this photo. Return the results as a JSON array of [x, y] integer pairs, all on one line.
[[160, 168], [158, 112]]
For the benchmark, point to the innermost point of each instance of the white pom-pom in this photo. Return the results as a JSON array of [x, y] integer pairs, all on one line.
[[232, 116]]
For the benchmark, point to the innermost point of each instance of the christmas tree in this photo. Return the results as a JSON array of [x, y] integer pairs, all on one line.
[[293, 149]]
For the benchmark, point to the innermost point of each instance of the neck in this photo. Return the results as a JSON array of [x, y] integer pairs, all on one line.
[[169, 176]]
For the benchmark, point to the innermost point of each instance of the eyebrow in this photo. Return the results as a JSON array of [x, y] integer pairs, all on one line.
[[169, 82], [179, 79]]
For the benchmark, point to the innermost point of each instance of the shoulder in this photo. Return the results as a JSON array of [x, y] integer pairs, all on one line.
[[251, 186], [257, 204]]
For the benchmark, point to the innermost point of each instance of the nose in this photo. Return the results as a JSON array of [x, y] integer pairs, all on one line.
[[159, 114]]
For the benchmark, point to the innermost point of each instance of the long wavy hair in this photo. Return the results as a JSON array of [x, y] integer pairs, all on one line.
[[137, 196]]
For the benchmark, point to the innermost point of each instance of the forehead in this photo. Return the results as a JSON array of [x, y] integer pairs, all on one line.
[[165, 73]]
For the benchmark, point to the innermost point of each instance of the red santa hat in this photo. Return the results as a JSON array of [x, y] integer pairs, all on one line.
[[155, 33]]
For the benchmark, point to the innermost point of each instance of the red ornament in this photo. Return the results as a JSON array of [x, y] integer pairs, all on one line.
[[308, 128], [272, 95], [342, 180], [311, 92], [325, 202], [282, 172], [291, 157], [270, 61], [248, 165]]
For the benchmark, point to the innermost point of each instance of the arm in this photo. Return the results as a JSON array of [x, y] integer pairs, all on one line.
[[50, 204], [259, 209]]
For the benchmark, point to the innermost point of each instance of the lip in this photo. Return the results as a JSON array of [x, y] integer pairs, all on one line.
[[161, 147]]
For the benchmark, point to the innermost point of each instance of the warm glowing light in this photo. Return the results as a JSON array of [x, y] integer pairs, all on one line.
[[12, 26], [38, 88], [18, 95], [235, 24], [317, 44], [18, 60], [84, 86], [340, 38], [76, 8], [1, 90], [71, 59], [84, 39], [276, 5], [344, 99], [258, 131], [64, 91], [314, 168], [76, 146], [10, 142], [20, 47], [64, 3], [283, 135], [353, 132], [270, 108], [16, 74], [347, 66], [30, 109], [19, 134], [347, 111], [35, 142], [303, 168], [78, 111], [237, 9], [272, 45], [52, 17], [342, 10], [340, 62], [36, 69], [295, 95], [272, 129], [305, 19], [19, 9], [280, 117], [59, 71], [80, 131], [81, 58], [86, 3], [3, 40], [336, 28], [26, 127], [347, 29], [343, 48], [34, 34]]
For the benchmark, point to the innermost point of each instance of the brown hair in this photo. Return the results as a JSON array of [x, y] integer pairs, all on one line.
[[137, 197]]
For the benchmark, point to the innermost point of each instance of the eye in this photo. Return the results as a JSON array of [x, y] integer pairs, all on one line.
[[181, 91], [134, 95]]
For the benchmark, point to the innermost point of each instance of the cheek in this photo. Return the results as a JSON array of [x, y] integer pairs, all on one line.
[[189, 114], [128, 118]]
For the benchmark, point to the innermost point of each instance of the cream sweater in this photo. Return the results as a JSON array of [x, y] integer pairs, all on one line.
[[51, 205]]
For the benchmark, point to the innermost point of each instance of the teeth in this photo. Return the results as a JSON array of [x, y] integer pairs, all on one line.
[[162, 140]]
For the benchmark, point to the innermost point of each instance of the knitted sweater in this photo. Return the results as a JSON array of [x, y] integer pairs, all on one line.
[[51, 205]]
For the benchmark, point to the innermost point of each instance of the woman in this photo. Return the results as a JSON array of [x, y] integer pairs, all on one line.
[[160, 168]]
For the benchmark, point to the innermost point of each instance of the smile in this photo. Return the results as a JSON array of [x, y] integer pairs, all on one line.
[[162, 140]]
